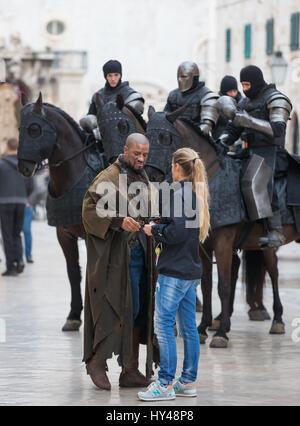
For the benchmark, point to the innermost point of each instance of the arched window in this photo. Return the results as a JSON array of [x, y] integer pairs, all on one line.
[[55, 27]]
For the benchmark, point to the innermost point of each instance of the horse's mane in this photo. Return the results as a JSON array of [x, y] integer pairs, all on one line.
[[69, 119], [137, 116], [196, 128]]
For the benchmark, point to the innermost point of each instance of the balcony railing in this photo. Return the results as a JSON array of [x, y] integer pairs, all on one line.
[[70, 60]]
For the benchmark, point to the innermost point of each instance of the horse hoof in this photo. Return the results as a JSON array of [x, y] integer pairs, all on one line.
[[72, 325], [202, 338], [256, 315], [266, 314], [277, 328], [215, 325], [218, 342]]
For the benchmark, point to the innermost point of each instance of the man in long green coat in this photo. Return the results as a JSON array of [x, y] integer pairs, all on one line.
[[120, 278]]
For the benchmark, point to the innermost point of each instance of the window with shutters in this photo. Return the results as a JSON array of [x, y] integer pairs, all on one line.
[[270, 36], [228, 45], [247, 50], [295, 24]]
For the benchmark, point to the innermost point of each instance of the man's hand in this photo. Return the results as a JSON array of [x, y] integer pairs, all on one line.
[[224, 141], [148, 230], [205, 129], [130, 225]]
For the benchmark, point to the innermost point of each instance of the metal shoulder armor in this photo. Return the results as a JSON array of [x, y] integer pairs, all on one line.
[[280, 108], [88, 122], [136, 101], [208, 107]]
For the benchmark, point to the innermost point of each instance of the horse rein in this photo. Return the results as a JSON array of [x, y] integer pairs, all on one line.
[[60, 163], [45, 165]]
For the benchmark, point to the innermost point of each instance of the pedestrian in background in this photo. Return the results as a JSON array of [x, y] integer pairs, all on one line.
[[28, 216], [180, 269], [14, 192], [38, 194]]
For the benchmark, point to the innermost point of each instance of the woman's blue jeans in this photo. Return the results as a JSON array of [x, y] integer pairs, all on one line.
[[27, 231], [176, 297]]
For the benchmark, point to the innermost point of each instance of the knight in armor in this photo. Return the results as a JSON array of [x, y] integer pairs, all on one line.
[[262, 118], [228, 87], [200, 100], [114, 86]]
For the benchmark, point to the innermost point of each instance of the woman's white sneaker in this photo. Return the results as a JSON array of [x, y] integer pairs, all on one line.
[[188, 391], [157, 392]]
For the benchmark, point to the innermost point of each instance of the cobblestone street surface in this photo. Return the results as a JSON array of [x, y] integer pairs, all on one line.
[[41, 365]]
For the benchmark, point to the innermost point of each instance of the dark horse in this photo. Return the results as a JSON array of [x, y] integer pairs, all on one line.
[[166, 134], [46, 132]]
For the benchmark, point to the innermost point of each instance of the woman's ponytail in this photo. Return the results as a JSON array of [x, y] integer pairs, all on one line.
[[195, 172]]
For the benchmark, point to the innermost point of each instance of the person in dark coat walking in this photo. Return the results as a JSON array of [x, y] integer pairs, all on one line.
[[14, 191]]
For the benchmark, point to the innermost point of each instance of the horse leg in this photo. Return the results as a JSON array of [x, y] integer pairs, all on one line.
[[224, 262], [234, 277], [236, 262], [69, 245], [206, 287], [255, 271], [199, 307], [259, 296], [271, 261]]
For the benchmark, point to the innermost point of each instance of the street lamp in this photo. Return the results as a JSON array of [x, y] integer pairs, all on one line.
[[278, 68]]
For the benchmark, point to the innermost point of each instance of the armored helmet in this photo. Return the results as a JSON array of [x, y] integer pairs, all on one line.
[[185, 75]]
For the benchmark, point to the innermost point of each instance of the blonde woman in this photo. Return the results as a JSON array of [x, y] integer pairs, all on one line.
[[180, 269]]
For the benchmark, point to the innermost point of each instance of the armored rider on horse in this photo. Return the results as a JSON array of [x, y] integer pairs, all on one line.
[[261, 119]]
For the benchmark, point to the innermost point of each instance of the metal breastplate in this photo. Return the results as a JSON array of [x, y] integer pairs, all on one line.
[[110, 95], [258, 108], [193, 111]]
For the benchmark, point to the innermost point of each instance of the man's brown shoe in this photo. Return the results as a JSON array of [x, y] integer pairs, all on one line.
[[97, 371], [133, 379]]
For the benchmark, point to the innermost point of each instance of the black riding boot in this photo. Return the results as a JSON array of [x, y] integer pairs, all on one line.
[[275, 237]]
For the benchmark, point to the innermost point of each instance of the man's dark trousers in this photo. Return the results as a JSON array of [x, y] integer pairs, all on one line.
[[12, 218]]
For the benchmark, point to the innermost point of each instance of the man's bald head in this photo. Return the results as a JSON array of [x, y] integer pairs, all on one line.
[[136, 150], [137, 138]]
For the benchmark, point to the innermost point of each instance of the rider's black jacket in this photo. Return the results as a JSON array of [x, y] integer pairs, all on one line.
[[109, 94]]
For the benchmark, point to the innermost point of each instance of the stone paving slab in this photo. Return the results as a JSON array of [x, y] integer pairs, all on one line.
[[40, 365]]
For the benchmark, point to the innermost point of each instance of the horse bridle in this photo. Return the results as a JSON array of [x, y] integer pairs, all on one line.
[[65, 160]]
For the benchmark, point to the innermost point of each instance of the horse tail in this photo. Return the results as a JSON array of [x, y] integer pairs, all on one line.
[[253, 273]]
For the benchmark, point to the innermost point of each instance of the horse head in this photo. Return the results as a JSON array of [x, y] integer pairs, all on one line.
[[116, 122], [164, 140], [37, 137], [167, 133]]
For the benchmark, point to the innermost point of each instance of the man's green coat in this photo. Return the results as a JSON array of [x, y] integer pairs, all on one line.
[[108, 318]]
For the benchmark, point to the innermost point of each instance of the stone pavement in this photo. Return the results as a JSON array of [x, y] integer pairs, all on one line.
[[40, 365]]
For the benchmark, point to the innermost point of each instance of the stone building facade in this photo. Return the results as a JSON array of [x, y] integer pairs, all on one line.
[[250, 32], [63, 45], [150, 38]]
